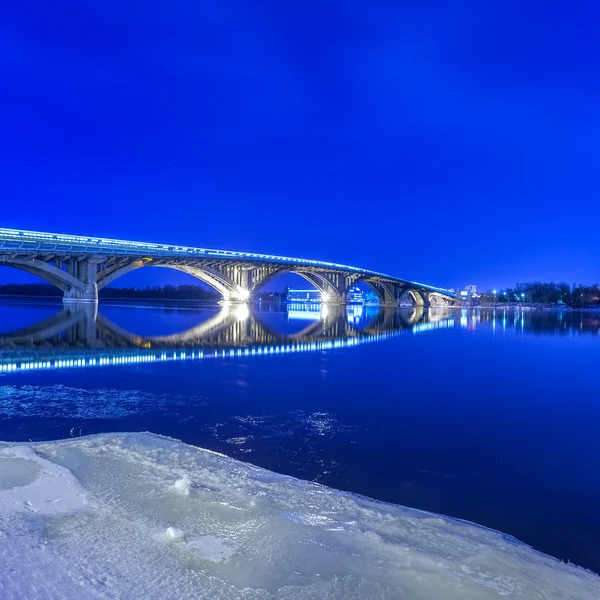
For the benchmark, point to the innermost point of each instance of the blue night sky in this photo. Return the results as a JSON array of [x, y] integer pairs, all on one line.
[[447, 143]]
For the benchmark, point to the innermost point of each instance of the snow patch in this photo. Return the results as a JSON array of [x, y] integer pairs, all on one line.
[[174, 534], [31, 483], [97, 517], [183, 485]]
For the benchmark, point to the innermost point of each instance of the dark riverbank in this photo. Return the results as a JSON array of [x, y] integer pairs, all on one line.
[[525, 306], [164, 292]]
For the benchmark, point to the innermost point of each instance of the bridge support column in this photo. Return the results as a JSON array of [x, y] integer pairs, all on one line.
[[86, 271], [241, 278], [342, 285]]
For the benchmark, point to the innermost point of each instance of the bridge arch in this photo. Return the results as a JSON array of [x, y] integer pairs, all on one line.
[[212, 277], [318, 280], [413, 296], [384, 292], [437, 300], [69, 284]]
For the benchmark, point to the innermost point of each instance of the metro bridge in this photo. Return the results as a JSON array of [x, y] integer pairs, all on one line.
[[81, 266]]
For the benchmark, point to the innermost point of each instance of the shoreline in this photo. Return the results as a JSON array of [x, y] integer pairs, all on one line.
[[524, 306]]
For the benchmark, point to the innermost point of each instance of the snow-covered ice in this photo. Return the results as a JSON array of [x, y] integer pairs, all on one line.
[[142, 516]]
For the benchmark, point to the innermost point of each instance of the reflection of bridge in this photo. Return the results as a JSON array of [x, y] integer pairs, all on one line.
[[79, 333], [233, 325], [81, 266]]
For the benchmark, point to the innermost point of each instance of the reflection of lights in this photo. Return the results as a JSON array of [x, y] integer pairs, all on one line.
[[431, 326], [304, 315], [304, 311], [192, 354], [324, 311], [242, 312], [354, 314]]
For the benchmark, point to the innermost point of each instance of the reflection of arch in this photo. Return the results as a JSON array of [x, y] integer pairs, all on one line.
[[413, 315], [217, 322], [386, 319], [57, 277], [210, 276], [331, 322], [64, 320], [332, 319], [438, 313], [413, 296]]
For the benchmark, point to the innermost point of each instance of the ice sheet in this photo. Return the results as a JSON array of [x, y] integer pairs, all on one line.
[[143, 516]]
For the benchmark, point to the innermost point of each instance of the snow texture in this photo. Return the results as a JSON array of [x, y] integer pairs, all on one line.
[[142, 516]]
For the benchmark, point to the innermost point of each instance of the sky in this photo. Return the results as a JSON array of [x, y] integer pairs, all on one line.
[[442, 142]]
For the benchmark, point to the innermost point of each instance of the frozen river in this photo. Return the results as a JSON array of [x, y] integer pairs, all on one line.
[[479, 415]]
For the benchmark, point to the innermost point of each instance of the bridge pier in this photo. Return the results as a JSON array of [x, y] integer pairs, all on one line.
[[89, 294], [86, 272]]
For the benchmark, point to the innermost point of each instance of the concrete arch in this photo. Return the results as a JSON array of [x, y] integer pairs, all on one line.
[[65, 282], [414, 296], [437, 300], [381, 288], [373, 285], [211, 277], [318, 280], [327, 289]]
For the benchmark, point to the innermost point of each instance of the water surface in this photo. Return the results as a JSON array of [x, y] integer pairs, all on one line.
[[489, 416]]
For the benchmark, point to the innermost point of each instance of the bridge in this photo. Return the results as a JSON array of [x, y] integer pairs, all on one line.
[[81, 266]]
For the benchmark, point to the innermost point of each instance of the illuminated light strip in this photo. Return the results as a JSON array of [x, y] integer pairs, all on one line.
[[65, 363], [433, 325], [24, 235]]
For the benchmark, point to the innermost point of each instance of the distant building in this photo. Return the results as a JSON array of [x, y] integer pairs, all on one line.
[[469, 296], [303, 295], [355, 296]]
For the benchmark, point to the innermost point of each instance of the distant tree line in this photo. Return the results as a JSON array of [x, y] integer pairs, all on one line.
[[174, 292], [29, 289], [162, 292], [271, 296], [538, 292]]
